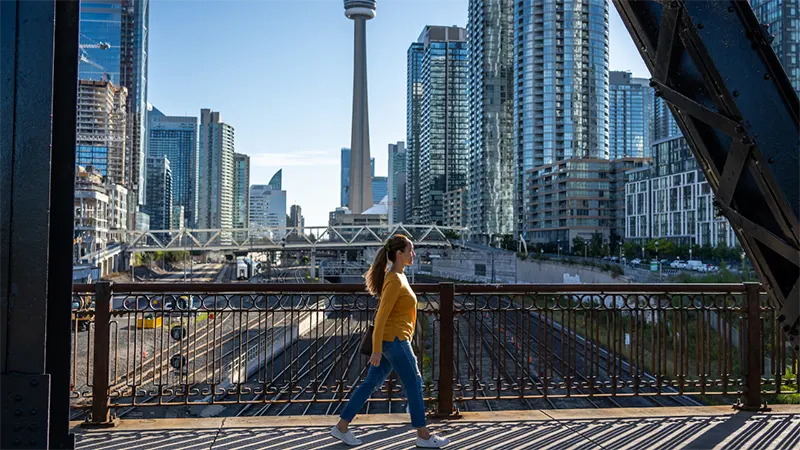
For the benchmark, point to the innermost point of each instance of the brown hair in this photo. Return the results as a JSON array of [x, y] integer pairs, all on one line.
[[377, 271]]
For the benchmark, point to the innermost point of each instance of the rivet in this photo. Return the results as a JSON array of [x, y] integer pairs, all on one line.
[[735, 93], [18, 398], [739, 129], [34, 411], [674, 4], [767, 76], [658, 94], [17, 442], [700, 26], [32, 427], [771, 160], [730, 9], [17, 427], [18, 412], [34, 383], [32, 442]]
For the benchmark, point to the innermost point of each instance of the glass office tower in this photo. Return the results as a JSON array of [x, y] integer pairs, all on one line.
[[176, 138]]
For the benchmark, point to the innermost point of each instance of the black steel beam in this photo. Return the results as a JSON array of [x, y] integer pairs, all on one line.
[[26, 45], [62, 187], [713, 64]]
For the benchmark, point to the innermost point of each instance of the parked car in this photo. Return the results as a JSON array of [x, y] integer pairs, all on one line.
[[636, 261]]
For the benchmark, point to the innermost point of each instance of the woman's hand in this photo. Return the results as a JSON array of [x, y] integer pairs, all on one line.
[[375, 359]]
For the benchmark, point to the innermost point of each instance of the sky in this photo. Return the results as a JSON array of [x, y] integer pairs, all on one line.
[[280, 72]]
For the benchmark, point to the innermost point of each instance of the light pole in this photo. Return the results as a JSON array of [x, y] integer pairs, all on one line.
[[658, 260], [558, 242], [620, 251], [743, 255], [690, 252]]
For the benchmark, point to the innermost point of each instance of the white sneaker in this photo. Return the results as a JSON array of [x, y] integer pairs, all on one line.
[[347, 437], [432, 442]]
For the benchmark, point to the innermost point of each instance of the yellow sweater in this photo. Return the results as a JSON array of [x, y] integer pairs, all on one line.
[[397, 311]]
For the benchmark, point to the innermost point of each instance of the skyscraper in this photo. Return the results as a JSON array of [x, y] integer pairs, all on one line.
[[241, 190], [490, 207], [277, 180], [442, 160], [561, 102], [159, 193], [413, 206], [360, 195], [296, 216], [215, 179], [114, 46], [176, 138], [101, 129], [268, 209], [397, 182], [380, 189], [630, 114]]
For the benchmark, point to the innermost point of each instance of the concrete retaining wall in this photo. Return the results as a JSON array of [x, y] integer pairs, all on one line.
[[553, 272]]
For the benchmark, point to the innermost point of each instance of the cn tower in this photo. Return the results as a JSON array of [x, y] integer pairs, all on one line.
[[360, 195]]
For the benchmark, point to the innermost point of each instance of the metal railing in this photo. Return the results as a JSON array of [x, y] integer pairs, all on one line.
[[279, 348]]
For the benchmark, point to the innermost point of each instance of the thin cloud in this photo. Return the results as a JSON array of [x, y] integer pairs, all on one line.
[[303, 158]]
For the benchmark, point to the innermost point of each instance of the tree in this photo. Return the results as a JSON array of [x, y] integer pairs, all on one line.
[[630, 250], [720, 252], [578, 246], [507, 242], [450, 234], [596, 245]]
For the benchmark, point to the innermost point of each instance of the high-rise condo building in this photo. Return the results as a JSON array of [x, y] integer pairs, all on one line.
[[114, 46], [561, 101], [101, 129], [176, 138], [241, 190], [438, 122], [215, 178], [397, 182], [159, 193], [630, 115], [490, 198]]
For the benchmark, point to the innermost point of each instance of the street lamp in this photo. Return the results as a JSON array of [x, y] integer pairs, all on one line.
[[619, 244], [658, 260], [558, 242]]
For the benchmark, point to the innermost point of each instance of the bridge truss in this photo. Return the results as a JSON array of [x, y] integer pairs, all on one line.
[[287, 238], [713, 63]]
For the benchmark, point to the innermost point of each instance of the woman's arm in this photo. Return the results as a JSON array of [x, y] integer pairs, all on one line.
[[389, 296]]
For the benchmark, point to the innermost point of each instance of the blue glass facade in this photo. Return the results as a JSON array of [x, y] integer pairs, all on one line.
[[344, 176], [380, 189], [101, 23], [176, 138], [159, 193], [629, 116], [114, 43], [94, 156]]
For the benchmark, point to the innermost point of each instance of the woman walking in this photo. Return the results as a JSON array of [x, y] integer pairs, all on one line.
[[391, 342]]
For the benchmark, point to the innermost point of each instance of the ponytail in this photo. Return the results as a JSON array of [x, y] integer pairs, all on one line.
[[377, 271]]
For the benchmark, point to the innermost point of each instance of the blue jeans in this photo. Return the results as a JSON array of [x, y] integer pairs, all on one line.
[[399, 356]]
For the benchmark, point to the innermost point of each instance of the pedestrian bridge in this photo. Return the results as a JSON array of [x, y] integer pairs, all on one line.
[[284, 238], [714, 427]]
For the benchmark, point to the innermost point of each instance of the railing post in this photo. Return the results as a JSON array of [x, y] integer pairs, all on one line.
[[101, 412], [753, 348], [445, 406]]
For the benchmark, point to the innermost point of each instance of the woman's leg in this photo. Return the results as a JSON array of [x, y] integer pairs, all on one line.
[[375, 378], [405, 364]]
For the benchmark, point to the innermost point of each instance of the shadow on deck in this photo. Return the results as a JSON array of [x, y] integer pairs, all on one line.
[[651, 428]]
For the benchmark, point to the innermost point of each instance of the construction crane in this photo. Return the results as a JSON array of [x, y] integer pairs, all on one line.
[[713, 64]]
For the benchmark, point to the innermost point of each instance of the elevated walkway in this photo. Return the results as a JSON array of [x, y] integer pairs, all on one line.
[[712, 427]]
